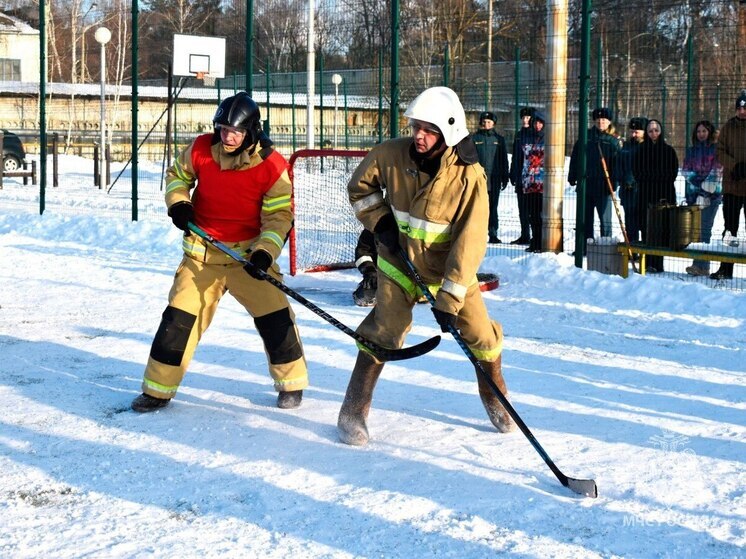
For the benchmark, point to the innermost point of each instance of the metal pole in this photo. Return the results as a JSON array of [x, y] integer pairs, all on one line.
[[489, 55], [446, 64], [599, 75], [380, 94], [336, 110], [103, 36], [310, 71], [321, 100], [266, 82], [585, 47], [42, 105], [292, 109], [102, 150], [394, 68], [249, 47], [336, 80], [517, 81], [135, 102], [347, 131], [688, 123]]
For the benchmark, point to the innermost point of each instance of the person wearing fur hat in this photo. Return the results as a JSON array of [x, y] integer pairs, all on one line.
[[655, 166], [626, 179], [731, 153], [493, 156], [602, 142]]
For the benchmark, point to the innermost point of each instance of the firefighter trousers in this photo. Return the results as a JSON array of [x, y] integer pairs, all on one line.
[[192, 302], [390, 320]]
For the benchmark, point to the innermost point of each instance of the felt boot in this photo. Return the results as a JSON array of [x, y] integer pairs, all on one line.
[[351, 423], [495, 410]]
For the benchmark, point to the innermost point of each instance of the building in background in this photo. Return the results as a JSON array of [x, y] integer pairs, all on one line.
[[19, 50]]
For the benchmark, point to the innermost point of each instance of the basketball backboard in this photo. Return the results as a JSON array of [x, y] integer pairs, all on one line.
[[199, 56]]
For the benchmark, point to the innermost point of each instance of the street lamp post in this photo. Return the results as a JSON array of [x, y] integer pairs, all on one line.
[[103, 36], [336, 80]]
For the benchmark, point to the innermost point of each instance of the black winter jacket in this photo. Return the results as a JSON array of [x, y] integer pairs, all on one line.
[[655, 167], [493, 156], [595, 180]]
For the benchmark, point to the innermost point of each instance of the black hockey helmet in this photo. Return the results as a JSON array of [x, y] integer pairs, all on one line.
[[240, 111]]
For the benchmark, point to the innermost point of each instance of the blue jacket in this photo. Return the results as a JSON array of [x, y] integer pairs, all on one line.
[[699, 164]]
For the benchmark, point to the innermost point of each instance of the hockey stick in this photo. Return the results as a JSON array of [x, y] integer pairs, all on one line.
[[616, 207], [382, 353], [581, 486]]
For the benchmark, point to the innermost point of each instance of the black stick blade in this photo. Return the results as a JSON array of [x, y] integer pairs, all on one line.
[[407, 352], [585, 487]]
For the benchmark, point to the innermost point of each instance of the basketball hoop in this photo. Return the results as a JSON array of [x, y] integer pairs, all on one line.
[[200, 76]]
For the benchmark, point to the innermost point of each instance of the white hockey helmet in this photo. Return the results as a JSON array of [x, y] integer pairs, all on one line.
[[440, 106]]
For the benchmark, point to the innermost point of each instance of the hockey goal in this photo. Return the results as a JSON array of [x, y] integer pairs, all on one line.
[[326, 229]]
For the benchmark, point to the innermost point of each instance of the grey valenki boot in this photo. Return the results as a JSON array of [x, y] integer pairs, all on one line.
[[498, 415], [351, 423]]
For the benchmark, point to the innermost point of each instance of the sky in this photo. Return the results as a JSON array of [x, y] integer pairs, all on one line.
[[638, 383]]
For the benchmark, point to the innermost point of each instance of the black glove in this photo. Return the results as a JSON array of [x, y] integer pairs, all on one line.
[[444, 319], [259, 260], [739, 171], [181, 213], [386, 232], [573, 183]]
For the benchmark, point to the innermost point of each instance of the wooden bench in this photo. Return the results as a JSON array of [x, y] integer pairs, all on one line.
[[692, 254], [24, 173]]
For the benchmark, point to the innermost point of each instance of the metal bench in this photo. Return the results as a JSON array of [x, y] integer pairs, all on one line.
[[644, 250]]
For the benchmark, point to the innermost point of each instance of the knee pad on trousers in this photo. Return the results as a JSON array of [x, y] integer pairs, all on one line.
[[280, 339], [173, 334]]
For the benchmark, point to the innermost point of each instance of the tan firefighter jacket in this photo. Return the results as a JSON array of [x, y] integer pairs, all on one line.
[[269, 217], [731, 150], [442, 218]]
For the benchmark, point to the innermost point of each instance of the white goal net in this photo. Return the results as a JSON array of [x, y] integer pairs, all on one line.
[[326, 229]]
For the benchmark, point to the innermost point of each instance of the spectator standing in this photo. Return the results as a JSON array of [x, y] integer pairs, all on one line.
[[703, 175], [655, 167], [530, 160], [628, 194], [515, 173], [493, 156], [731, 153], [602, 139], [242, 198]]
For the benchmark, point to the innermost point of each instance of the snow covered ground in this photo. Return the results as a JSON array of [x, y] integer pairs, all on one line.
[[639, 384]]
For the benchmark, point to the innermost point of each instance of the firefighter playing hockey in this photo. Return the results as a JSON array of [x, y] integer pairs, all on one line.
[[436, 209], [242, 198]]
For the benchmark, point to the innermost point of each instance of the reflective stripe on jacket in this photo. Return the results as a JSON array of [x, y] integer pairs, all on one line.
[[442, 218]]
